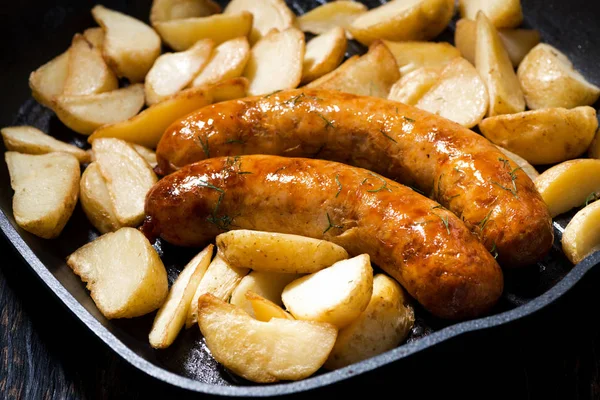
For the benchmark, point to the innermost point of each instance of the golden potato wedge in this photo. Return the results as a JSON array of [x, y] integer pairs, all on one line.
[[327, 16], [371, 74], [275, 62], [501, 13], [171, 316], [411, 87], [147, 127], [46, 190], [167, 10], [219, 280], [172, 72], [594, 149], [567, 185], [48, 81], [459, 95], [544, 136], [337, 294], [413, 55], [268, 15], [269, 285], [227, 61], [124, 274], [521, 162], [265, 309], [277, 252], [403, 20], [181, 34], [87, 73], [549, 79], [96, 202], [146, 153], [280, 349], [324, 53], [84, 114], [230, 89], [30, 140], [130, 46], [128, 178], [95, 36], [496, 70], [581, 236], [385, 323]]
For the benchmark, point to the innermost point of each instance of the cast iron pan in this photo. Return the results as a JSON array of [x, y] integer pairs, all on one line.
[[36, 31]]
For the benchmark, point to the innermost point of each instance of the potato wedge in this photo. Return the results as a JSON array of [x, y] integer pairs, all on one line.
[[172, 72], [459, 95], [549, 79], [581, 236], [496, 70], [371, 74], [413, 55], [269, 285], [265, 309], [324, 53], [48, 81], [95, 36], [84, 114], [96, 202], [146, 153], [385, 323], [337, 294], [327, 16], [227, 61], [501, 13], [594, 149], [171, 316], [167, 10], [181, 34], [230, 89], [147, 127], [219, 280], [277, 252], [268, 15], [130, 46], [46, 190], [411, 87], [275, 62], [521, 162], [569, 184], [271, 351], [545, 136], [87, 71], [124, 274], [128, 178], [30, 140], [401, 20]]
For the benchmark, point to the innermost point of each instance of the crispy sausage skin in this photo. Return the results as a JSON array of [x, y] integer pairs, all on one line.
[[460, 169], [424, 246]]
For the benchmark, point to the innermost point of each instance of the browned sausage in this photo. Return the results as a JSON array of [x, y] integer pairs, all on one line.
[[460, 169], [424, 246]]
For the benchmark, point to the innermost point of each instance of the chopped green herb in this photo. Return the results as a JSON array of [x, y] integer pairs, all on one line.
[[445, 222], [230, 141], [590, 199], [204, 145], [382, 187], [337, 180], [513, 191], [387, 136], [328, 123], [484, 222], [210, 186], [493, 250], [439, 187], [396, 110], [296, 99], [408, 119], [222, 222], [331, 225]]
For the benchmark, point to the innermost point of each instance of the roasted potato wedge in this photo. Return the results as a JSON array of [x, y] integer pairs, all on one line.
[[266, 284], [521, 162], [124, 274], [280, 349], [30, 140], [549, 79], [277, 252], [230, 89], [227, 61], [48, 81], [459, 95], [95, 36], [146, 153], [265, 309], [384, 324], [324, 53], [569, 184], [496, 70], [413, 55], [171, 316], [130, 46], [411, 87], [167, 10], [581, 236], [544, 136], [96, 202], [337, 294], [46, 190], [172, 72], [594, 149], [275, 62], [371, 74], [268, 15], [403, 20], [501, 13], [327, 16]]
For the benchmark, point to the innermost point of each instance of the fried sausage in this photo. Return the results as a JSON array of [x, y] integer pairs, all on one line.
[[460, 169], [414, 239]]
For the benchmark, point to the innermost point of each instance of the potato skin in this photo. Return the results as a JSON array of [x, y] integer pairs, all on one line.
[[427, 249]]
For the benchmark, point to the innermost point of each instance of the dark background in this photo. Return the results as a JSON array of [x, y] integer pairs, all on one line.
[[46, 353]]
